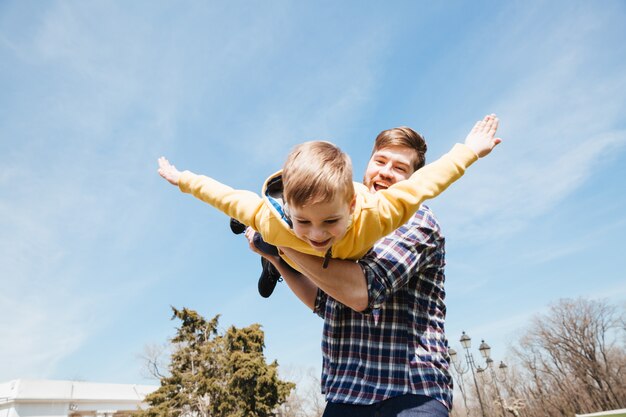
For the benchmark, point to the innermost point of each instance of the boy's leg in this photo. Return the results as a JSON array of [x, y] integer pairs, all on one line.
[[238, 228], [263, 246], [269, 274], [268, 279]]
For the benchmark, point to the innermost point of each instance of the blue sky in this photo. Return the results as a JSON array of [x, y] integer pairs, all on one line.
[[95, 246]]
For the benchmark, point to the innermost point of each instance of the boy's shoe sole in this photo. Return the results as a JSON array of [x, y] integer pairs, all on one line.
[[268, 279], [237, 227]]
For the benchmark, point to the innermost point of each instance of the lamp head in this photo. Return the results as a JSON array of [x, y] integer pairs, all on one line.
[[466, 341], [485, 350]]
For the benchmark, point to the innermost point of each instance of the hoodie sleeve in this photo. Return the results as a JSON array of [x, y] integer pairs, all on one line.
[[241, 204], [399, 202]]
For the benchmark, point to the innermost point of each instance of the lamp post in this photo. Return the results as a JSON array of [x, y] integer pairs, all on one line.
[[485, 351], [495, 379], [460, 373], [466, 342]]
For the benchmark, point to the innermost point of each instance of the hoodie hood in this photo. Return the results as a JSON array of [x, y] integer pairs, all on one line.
[[273, 195]]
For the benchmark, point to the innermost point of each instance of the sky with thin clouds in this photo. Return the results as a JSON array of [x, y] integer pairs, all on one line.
[[95, 247]]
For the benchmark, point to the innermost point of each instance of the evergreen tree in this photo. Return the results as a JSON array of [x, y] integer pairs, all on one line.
[[217, 375]]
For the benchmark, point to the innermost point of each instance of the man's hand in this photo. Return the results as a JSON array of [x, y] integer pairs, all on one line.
[[275, 260], [168, 171], [482, 138]]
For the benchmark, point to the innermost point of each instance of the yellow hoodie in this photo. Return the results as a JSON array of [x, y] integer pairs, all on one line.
[[375, 214]]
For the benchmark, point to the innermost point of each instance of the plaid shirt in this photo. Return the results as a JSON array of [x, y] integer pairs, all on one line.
[[397, 346]]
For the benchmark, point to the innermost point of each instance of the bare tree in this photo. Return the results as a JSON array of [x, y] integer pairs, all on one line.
[[570, 360], [459, 382], [573, 359], [306, 400], [155, 361]]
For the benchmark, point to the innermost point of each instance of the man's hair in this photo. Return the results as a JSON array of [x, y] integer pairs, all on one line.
[[317, 172], [406, 137]]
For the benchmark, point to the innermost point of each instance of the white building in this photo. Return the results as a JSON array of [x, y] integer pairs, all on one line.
[[45, 398], [612, 413]]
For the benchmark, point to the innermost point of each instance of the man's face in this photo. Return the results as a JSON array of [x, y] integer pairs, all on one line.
[[388, 166], [322, 224]]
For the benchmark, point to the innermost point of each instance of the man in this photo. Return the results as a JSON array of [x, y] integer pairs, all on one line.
[[384, 348]]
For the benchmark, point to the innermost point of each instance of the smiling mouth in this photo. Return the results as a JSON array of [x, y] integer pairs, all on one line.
[[380, 186], [317, 244]]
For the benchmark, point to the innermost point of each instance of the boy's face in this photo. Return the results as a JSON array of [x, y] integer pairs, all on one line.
[[389, 165], [322, 224]]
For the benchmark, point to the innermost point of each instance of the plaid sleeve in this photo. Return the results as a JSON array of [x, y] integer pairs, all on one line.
[[320, 303], [398, 256]]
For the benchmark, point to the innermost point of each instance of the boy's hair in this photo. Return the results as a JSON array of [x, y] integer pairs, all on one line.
[[406, 137], [317, 172]]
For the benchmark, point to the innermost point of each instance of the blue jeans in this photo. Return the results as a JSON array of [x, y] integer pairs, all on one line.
[[408, 405]]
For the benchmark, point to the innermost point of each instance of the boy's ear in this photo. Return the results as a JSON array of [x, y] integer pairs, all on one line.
[[353, 204]]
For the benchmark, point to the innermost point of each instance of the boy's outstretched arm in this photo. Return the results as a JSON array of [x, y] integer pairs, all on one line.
[[168, 171], [481, 138], [245, 206]]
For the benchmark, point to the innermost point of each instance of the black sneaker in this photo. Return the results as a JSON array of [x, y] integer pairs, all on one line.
[[236, 226], [268, 279]]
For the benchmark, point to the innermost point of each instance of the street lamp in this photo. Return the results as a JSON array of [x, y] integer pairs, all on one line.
[[466, 342], [502, 367], [495, 379], [517, 403], [485, 351]]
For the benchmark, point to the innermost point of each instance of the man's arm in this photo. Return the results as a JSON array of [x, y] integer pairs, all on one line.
[[300, 285], [385, 269], [342, 280]]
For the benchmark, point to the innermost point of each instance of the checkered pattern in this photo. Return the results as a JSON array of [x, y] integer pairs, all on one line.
[[397, 346]]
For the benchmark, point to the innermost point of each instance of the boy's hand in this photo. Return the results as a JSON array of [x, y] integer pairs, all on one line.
[[481, 139], [168, 171]]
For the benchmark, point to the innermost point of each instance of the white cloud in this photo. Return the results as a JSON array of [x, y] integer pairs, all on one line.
[[560, 123], [499, 333], [615, 293], [70, 211], [503, 332], [50, 257], [313, 102], [503, 198], [39, 330]]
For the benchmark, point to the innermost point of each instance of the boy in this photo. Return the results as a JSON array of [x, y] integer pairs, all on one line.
[[314, 207]]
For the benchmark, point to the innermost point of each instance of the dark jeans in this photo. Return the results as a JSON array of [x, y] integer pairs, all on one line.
[[263, 246], [408, 405]]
